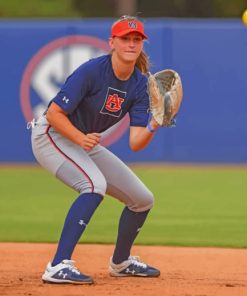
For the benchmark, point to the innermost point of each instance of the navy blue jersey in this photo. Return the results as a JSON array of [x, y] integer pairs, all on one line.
[[95, 99]]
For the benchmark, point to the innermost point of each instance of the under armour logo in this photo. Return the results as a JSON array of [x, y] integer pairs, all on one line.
[[65, 100], [81, 222], [132, 25], [61, 274], [130, 271]]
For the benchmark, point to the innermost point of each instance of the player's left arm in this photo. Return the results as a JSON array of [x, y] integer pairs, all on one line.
[[140, 136], [142, 128]]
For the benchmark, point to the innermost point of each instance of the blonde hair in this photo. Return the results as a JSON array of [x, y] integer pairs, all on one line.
[[142, 62]]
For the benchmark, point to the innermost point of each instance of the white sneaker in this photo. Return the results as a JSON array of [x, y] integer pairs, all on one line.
[[65, 273], [132, 267]]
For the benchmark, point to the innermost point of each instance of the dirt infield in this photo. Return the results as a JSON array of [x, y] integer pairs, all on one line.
[[184, 271]]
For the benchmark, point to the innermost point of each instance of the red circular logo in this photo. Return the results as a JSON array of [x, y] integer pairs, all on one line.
[[48, 69]]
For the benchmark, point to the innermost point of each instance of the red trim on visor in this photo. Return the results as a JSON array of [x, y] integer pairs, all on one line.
[[122, 28]]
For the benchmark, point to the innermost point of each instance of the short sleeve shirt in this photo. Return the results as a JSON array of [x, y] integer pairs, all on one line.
[[95, 99]]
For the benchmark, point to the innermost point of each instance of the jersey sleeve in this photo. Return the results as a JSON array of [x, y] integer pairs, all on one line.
[[139, 112], [74, 89]]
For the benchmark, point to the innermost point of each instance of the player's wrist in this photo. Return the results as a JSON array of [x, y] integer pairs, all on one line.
[[80, 139], [151, 128]]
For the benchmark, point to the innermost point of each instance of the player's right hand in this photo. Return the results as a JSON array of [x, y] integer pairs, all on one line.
[[89, 141]]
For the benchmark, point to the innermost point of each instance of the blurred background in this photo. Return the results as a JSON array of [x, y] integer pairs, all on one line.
[[110, 8], [43, 41]]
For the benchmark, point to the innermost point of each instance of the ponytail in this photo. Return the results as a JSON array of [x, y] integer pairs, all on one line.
[[142, 63]]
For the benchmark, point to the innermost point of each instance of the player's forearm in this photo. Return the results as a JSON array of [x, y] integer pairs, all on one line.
[[143, 139], [61, 123], [140, 137]]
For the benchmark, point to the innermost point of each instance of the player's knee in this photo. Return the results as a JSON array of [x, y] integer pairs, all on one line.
[[144, 203], [147, 203], [97, 186], [100, 186]]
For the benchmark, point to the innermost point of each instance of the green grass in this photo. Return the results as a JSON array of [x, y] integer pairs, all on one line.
[[194, 206], [37, 8]]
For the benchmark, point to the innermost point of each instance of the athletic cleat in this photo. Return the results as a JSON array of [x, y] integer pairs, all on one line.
[[65, 273], [132, 267]]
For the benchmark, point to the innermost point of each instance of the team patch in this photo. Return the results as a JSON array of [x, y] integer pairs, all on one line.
[[113, 102], [132, 25]]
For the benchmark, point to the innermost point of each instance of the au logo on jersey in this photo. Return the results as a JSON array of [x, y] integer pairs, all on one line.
[[113, 102]]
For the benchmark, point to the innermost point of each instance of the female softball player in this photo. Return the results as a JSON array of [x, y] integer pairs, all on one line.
[[66, 141]]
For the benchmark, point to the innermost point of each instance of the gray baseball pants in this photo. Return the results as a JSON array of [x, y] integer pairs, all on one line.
[[98, 170]]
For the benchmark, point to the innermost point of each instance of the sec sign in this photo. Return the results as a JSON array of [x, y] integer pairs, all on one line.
[[48, 69]]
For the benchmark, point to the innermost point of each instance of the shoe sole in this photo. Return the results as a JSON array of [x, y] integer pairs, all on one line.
[[115, 274], [67, 282], [128, 275], [56, 281]]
